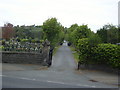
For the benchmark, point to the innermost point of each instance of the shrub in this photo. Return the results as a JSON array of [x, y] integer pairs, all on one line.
[[83, 49], [94, 40], [108, 54], [85, 46], [24, 40], [2, 47], [102, 54]]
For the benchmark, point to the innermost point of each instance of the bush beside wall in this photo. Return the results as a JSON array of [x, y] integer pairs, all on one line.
[[101, 54]]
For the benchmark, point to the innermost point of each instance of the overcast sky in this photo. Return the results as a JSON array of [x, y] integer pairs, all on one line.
[[95, 13]]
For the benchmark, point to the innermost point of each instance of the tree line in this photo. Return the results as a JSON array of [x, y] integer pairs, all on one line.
[[93, 48], [51, 30], [96, 48]]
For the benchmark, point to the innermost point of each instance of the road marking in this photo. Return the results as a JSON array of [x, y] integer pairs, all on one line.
[[24, 78], [19, 77], [56, 82], [27, 78], [71, 84], [86, 85]]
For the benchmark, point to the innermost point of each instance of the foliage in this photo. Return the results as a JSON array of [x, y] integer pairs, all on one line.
[[109, 34], [24, 40], [76, 32], [83, 47], [119, 34], [94, 40], [29, 32], [105, 54], [1, 47], [7, 31], [108, 54], [91, 47], [53, 31]]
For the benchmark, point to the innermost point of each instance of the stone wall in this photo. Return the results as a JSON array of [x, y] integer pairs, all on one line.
[[22, 57], [100, 68]]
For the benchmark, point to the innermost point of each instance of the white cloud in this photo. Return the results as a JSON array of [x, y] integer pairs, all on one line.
[[95, 13]]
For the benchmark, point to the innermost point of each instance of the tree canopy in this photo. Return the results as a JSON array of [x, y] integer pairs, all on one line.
[[53, 30]]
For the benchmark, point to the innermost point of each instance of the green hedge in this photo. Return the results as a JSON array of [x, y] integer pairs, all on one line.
[[103, 54], [83, 50], [1, 47], [108, 54]]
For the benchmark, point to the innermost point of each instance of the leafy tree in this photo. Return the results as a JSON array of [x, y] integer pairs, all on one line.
[[109, 34], [7, 31], [70, 32], [52, 30], [29, 32], [76, 32], [94, 40], [119, 34]]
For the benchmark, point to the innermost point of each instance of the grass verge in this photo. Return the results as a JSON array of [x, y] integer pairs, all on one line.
[[75, 54], [55, 50]]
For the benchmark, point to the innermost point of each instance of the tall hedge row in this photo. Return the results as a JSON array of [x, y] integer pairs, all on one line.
[[108, 54], [103, 54], [83, 50]]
